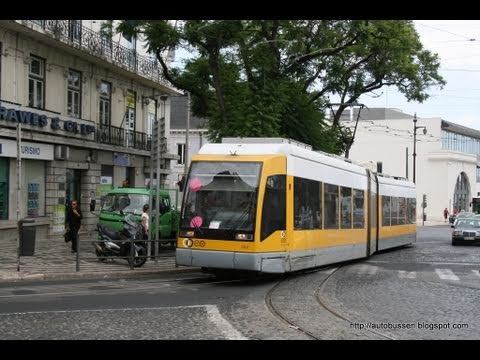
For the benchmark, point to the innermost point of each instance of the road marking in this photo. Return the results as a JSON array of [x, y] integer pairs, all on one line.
[[225, 327], [212, 312], [367, 269], [446, 274], [402, 274], [421, 262]]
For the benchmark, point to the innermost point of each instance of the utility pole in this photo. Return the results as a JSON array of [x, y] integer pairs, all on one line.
[[187, 131], [415, 127], [406, 162], [352, 106]]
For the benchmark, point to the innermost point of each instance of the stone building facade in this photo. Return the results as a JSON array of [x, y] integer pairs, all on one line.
[[86, 106]]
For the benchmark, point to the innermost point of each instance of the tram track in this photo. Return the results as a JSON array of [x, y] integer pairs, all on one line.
[[323, 304], [280, 316], [317, 295]]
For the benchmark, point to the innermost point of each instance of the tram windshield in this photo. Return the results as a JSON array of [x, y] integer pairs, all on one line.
[[221, 198]]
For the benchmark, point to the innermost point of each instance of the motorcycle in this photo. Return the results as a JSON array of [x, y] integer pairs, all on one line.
[[118, 244]]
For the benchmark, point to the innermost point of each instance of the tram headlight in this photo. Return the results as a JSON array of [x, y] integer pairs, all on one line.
[[188, 233], [243, 237]]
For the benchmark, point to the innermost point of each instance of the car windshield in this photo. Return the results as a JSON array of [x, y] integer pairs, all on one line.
[[125, 203], [468, 223], [464, 215]]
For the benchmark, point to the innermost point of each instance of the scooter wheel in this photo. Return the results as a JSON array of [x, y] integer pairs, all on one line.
[[100, 256], [140, 259]]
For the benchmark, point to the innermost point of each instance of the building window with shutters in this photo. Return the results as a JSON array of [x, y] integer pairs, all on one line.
[[36, 82], [181, 154], [74, 94], [105, 103]]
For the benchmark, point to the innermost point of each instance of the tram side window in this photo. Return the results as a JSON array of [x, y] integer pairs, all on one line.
[[411, 210], [402, 211], [331, 206], [307, 204], [273, 210], [346, 209], [385, 210], [358, 209], [394, 207]]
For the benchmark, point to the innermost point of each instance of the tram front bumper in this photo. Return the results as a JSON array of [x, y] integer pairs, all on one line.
[[264, 262]]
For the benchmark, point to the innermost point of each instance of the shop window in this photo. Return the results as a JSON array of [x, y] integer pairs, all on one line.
[[4, 188], [34, 185]]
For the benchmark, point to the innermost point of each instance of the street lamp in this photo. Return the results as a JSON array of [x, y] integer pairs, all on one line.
[[415, 127]]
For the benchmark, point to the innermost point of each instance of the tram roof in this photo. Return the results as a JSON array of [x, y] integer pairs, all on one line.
[[285, 147]]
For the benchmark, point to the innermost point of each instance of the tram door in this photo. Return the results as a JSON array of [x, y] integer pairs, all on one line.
[[372, 219]]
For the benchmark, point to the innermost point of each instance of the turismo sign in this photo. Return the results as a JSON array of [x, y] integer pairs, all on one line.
[[29, 150], [42, 121]]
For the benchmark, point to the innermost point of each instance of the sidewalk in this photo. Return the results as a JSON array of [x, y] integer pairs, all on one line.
[[433, 223], [53, 260]]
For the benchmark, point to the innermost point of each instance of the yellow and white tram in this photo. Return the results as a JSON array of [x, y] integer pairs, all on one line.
[[275, 206]]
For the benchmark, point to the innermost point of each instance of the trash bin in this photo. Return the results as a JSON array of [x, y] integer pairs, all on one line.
[[27, 238], [425, 217]]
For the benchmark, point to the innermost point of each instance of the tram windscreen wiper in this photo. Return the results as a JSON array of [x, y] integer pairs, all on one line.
[[236, 220]]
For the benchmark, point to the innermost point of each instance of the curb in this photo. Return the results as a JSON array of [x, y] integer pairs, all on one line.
[[14, 277]]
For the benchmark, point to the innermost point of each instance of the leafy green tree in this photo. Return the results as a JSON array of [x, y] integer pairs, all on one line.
[[275, 77]]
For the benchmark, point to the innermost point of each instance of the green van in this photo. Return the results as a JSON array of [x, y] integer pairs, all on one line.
[[120, 202]]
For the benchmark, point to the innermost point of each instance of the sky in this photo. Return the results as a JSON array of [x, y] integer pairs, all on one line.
[[457, 42]]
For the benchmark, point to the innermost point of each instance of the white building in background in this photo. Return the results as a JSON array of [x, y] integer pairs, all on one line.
[[197, 137], [86, 103], [448, 156]]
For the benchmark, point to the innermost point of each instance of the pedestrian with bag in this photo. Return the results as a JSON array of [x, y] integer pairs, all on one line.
[[74, 220]]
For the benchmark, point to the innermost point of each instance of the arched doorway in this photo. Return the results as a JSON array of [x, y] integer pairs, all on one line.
[[461, 196]]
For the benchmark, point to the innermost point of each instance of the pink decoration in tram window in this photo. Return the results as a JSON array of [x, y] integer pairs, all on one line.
[[196, 222], [195, 184]]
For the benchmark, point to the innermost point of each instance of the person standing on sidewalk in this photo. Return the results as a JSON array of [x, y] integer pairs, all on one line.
[[145, 221], [74, 222], [445, 214]]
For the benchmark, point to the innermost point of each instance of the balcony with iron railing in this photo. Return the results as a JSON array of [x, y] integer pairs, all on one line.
[[71, 32], [112, 135]]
